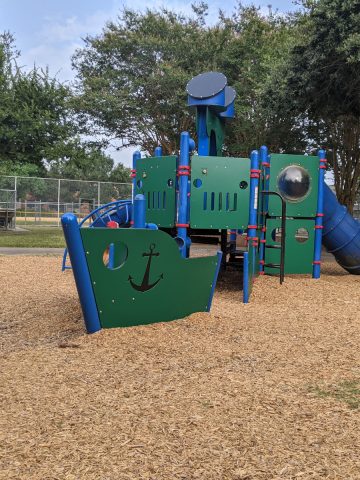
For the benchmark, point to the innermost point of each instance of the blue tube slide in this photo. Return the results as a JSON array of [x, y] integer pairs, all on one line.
[[341, 233]]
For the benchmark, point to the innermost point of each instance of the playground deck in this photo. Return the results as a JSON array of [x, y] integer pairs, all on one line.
[[268, 390]]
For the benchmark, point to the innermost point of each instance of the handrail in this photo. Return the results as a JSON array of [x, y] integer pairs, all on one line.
[[283, 232], [110, 207]]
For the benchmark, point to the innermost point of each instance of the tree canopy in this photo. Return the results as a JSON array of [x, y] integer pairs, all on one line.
[[296, 78], [39, 134]]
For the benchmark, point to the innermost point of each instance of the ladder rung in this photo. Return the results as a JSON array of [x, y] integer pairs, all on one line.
[[277, 247], [272, 265]]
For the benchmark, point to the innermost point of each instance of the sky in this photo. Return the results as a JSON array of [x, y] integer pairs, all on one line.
[[48, 32]]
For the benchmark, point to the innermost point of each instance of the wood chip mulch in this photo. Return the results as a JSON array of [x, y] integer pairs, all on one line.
[[220, 396]]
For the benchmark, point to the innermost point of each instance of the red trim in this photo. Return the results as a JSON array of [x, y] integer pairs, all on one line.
[[262, 272], [182, 225], [319, 227], [263, 229], [112, 224], [265, 164], [252, 227], [185, 167], [323, 160], [255, 170], [316, 262], [183, 174], [261, 262], [320, 215], [254, 175], [132, 222], [262, 241]]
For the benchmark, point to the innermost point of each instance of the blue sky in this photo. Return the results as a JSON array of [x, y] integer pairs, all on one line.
[[48, 32]]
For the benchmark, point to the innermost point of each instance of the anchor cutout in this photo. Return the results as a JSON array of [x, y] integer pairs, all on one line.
[[145, 285]]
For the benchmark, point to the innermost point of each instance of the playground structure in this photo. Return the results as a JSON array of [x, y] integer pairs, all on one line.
[[133, 265]]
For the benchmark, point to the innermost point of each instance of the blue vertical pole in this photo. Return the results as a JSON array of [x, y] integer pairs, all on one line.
[[111, 263], [184, 173], [254, 193], [203, 137], [136, 157], [319, 215], [139, 211], [158, 152], [264, 159], [81, 272], [246, 278]]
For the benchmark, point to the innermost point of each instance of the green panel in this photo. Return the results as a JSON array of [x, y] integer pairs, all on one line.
[[219, 202], [298, 256], [175, 286], [156, 179], [308, 206]]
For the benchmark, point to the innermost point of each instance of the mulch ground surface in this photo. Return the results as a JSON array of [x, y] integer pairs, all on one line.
[[246, 392]]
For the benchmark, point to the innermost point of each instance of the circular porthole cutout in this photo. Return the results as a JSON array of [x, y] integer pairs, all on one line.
[[115, 255], [302, 235]]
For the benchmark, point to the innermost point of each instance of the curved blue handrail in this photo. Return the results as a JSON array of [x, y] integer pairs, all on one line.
[[109, 208]]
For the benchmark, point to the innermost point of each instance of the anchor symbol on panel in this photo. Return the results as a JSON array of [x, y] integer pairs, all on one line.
[[145, 285]]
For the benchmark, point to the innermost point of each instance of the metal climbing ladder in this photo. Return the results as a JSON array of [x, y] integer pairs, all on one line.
[[280, 266]]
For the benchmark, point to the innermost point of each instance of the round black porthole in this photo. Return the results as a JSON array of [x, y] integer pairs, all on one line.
[[243, 185]]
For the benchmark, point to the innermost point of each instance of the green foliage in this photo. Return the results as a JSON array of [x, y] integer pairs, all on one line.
[[132, 78], [323, 87], [39, 134]]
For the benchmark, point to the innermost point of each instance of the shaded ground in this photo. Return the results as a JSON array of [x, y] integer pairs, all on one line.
[[258, 391]]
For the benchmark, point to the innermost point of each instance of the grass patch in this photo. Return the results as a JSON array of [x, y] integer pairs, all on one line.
[[33, 237], [347, 391]]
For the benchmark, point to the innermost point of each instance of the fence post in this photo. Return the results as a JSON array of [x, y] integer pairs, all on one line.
[[98, 205], [58, 202], [15, 188]]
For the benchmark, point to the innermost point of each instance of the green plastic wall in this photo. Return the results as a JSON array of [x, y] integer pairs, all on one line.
[[176, 287], [306, 207], [156, 179], [218, 201], [298, 255]]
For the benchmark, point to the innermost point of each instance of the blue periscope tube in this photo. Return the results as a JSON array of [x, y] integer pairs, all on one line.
[[341, 233], [81, 272]]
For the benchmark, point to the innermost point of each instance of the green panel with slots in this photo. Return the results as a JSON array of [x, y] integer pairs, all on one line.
[[306, 205], [220, 191], [299, 245], [150, 281], [156, 179]]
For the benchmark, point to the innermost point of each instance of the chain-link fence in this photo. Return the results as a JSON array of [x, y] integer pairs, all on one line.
[[42, 201]]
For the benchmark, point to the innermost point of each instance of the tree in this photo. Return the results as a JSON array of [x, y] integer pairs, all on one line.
[[33, 110], [323, 85], [131, 79]]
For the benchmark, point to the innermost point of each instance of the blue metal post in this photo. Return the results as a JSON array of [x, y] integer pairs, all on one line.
[[158, 152], [184, 173], [265, 164], [254, 193], [81, 272], [111, 263], [203, 137], [319, 215], [136, 157], [139, 211], [246, 278]]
